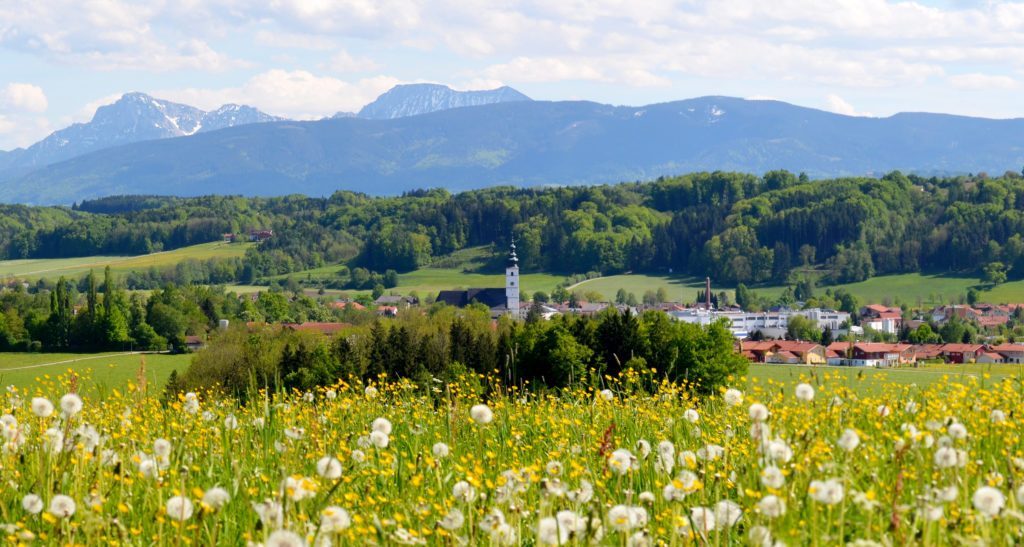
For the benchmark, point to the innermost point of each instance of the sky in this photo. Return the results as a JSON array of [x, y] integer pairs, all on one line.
[[304, 59]]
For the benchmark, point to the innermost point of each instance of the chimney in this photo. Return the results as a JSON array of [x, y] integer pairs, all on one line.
[[707, 293]]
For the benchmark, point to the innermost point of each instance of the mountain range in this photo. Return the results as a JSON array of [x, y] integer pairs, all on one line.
[[422, 136]]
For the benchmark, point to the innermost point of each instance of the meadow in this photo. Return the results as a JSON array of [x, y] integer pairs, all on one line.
[[99, 373], [52, 268], [763, 463]]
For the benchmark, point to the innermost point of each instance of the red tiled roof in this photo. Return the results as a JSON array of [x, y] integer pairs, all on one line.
[[993, 320], [991, 355], [879, 347], [962, 348], [342, 305], [1008, 348], [831, 354]]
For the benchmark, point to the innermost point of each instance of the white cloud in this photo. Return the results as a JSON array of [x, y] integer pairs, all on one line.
[[839, 105], [343, 61], [977, 81], [296, 94], [21, 96]]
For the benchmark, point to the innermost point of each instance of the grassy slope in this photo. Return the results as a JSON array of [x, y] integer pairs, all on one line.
[[910, 288], [99, 371], [73, 267]]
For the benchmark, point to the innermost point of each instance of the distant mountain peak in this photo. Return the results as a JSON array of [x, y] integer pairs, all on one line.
[[134, 117], [414, 99]]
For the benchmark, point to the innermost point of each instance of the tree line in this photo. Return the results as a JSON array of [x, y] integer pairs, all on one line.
[[739, 228], [444, 343]]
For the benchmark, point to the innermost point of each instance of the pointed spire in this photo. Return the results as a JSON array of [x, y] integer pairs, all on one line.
[[513, 260]]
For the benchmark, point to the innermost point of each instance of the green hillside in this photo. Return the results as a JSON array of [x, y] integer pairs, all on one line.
[[52, 268]]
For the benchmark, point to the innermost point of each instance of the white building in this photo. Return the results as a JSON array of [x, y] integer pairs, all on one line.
[[512, 282], [770, 324]]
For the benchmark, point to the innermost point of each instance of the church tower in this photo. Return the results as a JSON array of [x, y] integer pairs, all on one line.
[[512, 282]]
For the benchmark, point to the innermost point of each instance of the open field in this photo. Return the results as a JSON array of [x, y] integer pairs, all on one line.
[[100, 371], [53, 268], [914, 289], [390, 465], [869, 381]]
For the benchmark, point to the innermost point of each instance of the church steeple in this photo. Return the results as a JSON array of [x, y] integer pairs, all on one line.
[[512, 281]]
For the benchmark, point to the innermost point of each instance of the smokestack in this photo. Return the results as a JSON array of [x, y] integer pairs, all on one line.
[[707, 293]]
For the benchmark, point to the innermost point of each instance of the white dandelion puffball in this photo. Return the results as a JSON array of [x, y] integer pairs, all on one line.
[[62, 506], [179, 508], [805, 392], [285, 538], [42, 407], [32, 504], [162, 448], [334, 519], [772, 506], [230, 422], [621, 461], [216, 497], [358, 456], [331, 394], [439, 450], [607, 395], [328, 467], [691, 416], [988, 501], [727, 514], [481, 414], [71, 404], [849, 440], [946, 457], [829, 492], [957, 431], [379, 439], [703, 519], [883, 410], [381, 424], [453, 520], [370, 392], [758, 412], [463, 491], [772, 477], [733, 397], [997, 416]]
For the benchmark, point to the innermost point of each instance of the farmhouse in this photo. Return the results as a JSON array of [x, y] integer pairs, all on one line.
[[962, 353], [500, 301], [1011, 353]]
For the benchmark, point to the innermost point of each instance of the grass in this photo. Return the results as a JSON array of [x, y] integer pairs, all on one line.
[[869, 381], [395, 465], [913, 289], [99, 371], [679, 288], [53, 268]]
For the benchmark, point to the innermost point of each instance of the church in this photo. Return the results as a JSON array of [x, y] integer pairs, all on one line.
[[500, 301]]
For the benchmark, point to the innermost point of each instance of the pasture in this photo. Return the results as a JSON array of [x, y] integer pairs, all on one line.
[[98, 372], [52, 268]]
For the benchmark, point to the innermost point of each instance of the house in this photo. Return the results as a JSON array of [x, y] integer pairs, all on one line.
[[784, 352], [387, 311], [500, 301], [833, 358], [1011, 353], [396, 300], [989, 357], [962, 353], [874, 354], [992, 323], [260, 235], [928, 352], [194, 343]]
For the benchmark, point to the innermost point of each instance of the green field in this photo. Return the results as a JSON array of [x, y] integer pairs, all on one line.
[[99, 371], [914, 289], [53, 268], [871, 381]]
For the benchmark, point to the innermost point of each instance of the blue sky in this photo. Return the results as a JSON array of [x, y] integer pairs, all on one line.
[[305, 59]]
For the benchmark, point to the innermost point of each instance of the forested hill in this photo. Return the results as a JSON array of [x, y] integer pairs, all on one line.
[[736, 227], [528, 143]]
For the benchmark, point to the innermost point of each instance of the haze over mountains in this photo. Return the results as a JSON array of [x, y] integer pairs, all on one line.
[[431, 136]]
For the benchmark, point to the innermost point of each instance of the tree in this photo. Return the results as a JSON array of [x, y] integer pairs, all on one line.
[[540, 297], [802, 328], [661, 295], [620, 296], [378, 291], [650, 297], [826, 336], [972, 296], [995, 273]]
